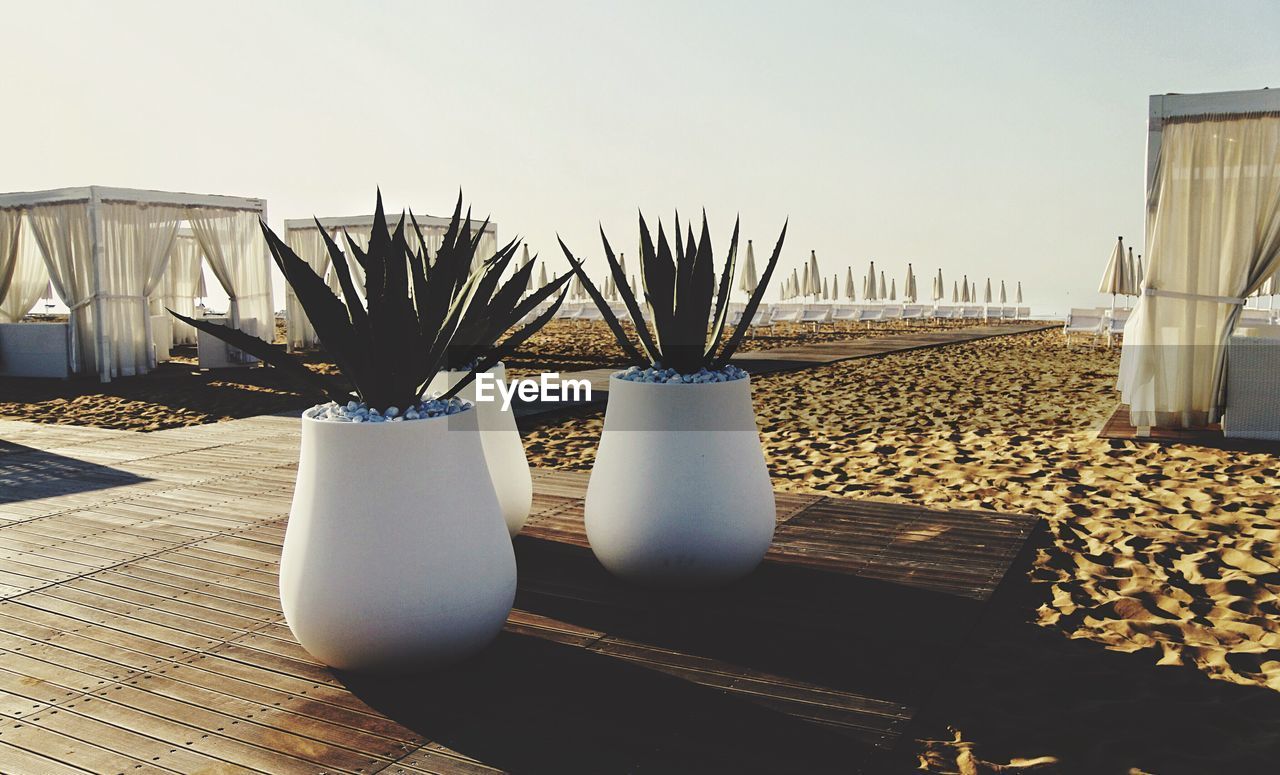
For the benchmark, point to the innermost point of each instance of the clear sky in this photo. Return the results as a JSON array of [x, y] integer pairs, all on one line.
[[990, 138]]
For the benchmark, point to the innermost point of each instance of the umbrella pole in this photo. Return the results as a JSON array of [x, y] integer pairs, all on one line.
[[1113, 316]]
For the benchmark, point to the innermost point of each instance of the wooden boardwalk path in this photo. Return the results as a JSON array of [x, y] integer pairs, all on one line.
[[140, 630], [805, 356], [1118, 426]]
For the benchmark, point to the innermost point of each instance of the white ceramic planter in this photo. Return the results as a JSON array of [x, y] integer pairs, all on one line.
[[389, 565], [503, 449], [680, 493]]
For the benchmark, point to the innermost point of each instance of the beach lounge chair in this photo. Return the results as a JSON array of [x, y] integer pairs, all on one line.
[[1009, 313], [762, 319], [945, 313], [1085, 321], [844, 313], [1114, 321], [972, 313], [787, 313], [817, 314], [913, 311], [589, 312], [891, 312], [1254, 317], [867, 314], [569, 310], [1024, 313]]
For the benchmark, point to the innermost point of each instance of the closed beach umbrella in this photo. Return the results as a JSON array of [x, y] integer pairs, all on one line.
[[1018, 297], [1137, 276], [882, 294], [909, 286], [1131, 275], [986, 294], [749, 279], [824, 289], [813, 272], [955, 292], [973, 293], [848, 284], [1004, 297], [939, 287], [524, 261], [964, 292], [806, 282], [795, 284], [893, 289], [1113, 280], [869, 285], [542, 275]]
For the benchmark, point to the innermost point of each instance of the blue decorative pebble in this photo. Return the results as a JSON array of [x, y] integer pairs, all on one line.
[[353, 411], [656, 374]]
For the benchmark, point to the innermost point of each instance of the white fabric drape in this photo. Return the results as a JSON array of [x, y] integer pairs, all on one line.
[[10, 228], [310, 246], [1213, 237], [181, 285], [23, 277], [61, 232], [137, 240], [232, 243]]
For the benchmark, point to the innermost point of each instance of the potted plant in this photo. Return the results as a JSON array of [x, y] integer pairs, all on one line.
[[396, 555], [679, 493], [486, 319]]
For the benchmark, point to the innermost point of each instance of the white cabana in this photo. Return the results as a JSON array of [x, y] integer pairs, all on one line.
[[106, 252], [303, 236], [1213, 237]]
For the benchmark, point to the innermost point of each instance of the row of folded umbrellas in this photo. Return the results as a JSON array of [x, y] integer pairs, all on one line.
[[810, 283]]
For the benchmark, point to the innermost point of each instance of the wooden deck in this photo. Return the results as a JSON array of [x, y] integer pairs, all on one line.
[[1118, 426], [140, 630]]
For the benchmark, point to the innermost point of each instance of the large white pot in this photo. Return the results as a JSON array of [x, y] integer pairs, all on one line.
[[503, 449], [680, 493], [396, 556]]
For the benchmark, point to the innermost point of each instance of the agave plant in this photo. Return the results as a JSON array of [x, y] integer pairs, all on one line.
[[682, 296], [416, 309]]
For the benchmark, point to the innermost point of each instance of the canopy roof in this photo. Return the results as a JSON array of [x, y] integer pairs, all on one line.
[[25, 199]]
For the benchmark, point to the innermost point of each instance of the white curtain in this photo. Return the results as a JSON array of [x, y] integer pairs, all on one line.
[[232, 242], [310, 246], [1213, 237], [62, 234], [181, 285], [27, 277], [137, 239]]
